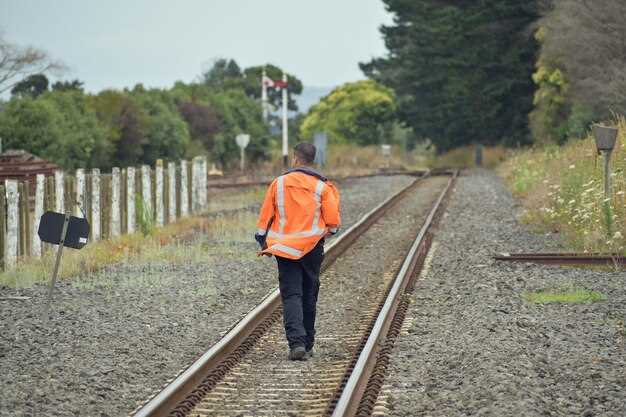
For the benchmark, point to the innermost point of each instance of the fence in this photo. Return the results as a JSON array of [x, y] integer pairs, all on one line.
[[114, 204]]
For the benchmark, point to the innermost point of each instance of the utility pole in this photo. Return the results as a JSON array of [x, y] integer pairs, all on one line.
[[605, 142], [285, 133], [264, 95]]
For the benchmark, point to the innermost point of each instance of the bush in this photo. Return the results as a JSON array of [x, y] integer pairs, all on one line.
[[58, 126], [362, 113]]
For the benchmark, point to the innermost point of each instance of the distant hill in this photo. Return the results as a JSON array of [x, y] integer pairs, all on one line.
[[310, 96]]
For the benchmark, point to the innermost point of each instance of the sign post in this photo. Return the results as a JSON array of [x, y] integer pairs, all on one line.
[[242, 141], [478, 155], [605, 142], [57, 262], [63, 230], [320, 140]]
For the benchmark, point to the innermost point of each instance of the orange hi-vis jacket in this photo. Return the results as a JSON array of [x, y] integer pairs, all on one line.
[[300, 208]]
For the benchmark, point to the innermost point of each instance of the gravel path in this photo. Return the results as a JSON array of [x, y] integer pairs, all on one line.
[[473, 346], [116, 336]]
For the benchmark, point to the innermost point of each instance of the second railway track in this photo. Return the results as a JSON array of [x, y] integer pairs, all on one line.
[[363, 279]]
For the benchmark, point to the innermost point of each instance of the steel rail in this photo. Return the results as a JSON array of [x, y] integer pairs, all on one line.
[[177, 391], [564, 258], [352, 394]]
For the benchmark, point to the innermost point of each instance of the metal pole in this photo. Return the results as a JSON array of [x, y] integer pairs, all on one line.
[[57, 262], [285, 138], [264, 96], [478, 157], [243, 158], [607, 174]]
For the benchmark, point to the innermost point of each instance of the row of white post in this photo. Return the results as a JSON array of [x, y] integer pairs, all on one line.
[[199, 201]]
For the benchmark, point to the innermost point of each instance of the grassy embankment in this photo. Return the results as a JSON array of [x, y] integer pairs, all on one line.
[[562, 190]]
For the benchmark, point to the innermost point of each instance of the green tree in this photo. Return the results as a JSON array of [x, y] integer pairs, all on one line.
[[238, 114], [33, 86], [167, 135], [227, 113], [31, 125], [83, 140], [362, 112], [461, 70], [225, 73], [74, 85], [202, 120], [126, 124], [56, 126]]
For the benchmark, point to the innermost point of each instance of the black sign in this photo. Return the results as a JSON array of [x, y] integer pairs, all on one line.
[[51, 227]]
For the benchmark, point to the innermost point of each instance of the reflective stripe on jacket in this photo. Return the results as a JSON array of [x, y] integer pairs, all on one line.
[[300, 208]]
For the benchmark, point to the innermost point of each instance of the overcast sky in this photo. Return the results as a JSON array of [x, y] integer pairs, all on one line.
[[118, 43]]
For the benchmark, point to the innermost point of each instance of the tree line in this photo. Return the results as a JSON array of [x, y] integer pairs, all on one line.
[[511, 72], [64, 124], [506, 72]]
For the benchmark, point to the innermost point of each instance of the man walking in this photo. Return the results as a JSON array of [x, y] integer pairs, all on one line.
[[300, 209]]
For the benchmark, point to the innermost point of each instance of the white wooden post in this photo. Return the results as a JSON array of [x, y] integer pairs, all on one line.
[[39, 194], [13, 220], [115, 202], [204, 201], [80, 192], [146, 190], [95, 204], [196, 185], [130, 200], [158, 193], [184, 189], [59, 191], [171, 175]]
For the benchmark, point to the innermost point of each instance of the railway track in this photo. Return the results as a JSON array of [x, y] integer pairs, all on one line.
[[365, 276]]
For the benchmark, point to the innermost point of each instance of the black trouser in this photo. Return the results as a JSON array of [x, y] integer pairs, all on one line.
[[299, 283]]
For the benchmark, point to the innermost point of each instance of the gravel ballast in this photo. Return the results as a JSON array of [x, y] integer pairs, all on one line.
[[473, 346], [116, 336]]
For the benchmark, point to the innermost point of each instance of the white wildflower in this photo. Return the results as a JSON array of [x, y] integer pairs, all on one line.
[[617, 235]]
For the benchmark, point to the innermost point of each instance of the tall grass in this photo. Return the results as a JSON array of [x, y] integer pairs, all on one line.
[[562, 189]]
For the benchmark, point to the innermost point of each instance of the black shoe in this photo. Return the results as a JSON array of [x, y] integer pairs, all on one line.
[[297, 354]]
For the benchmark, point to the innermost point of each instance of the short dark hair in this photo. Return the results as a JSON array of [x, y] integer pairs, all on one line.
[[305, 152]]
